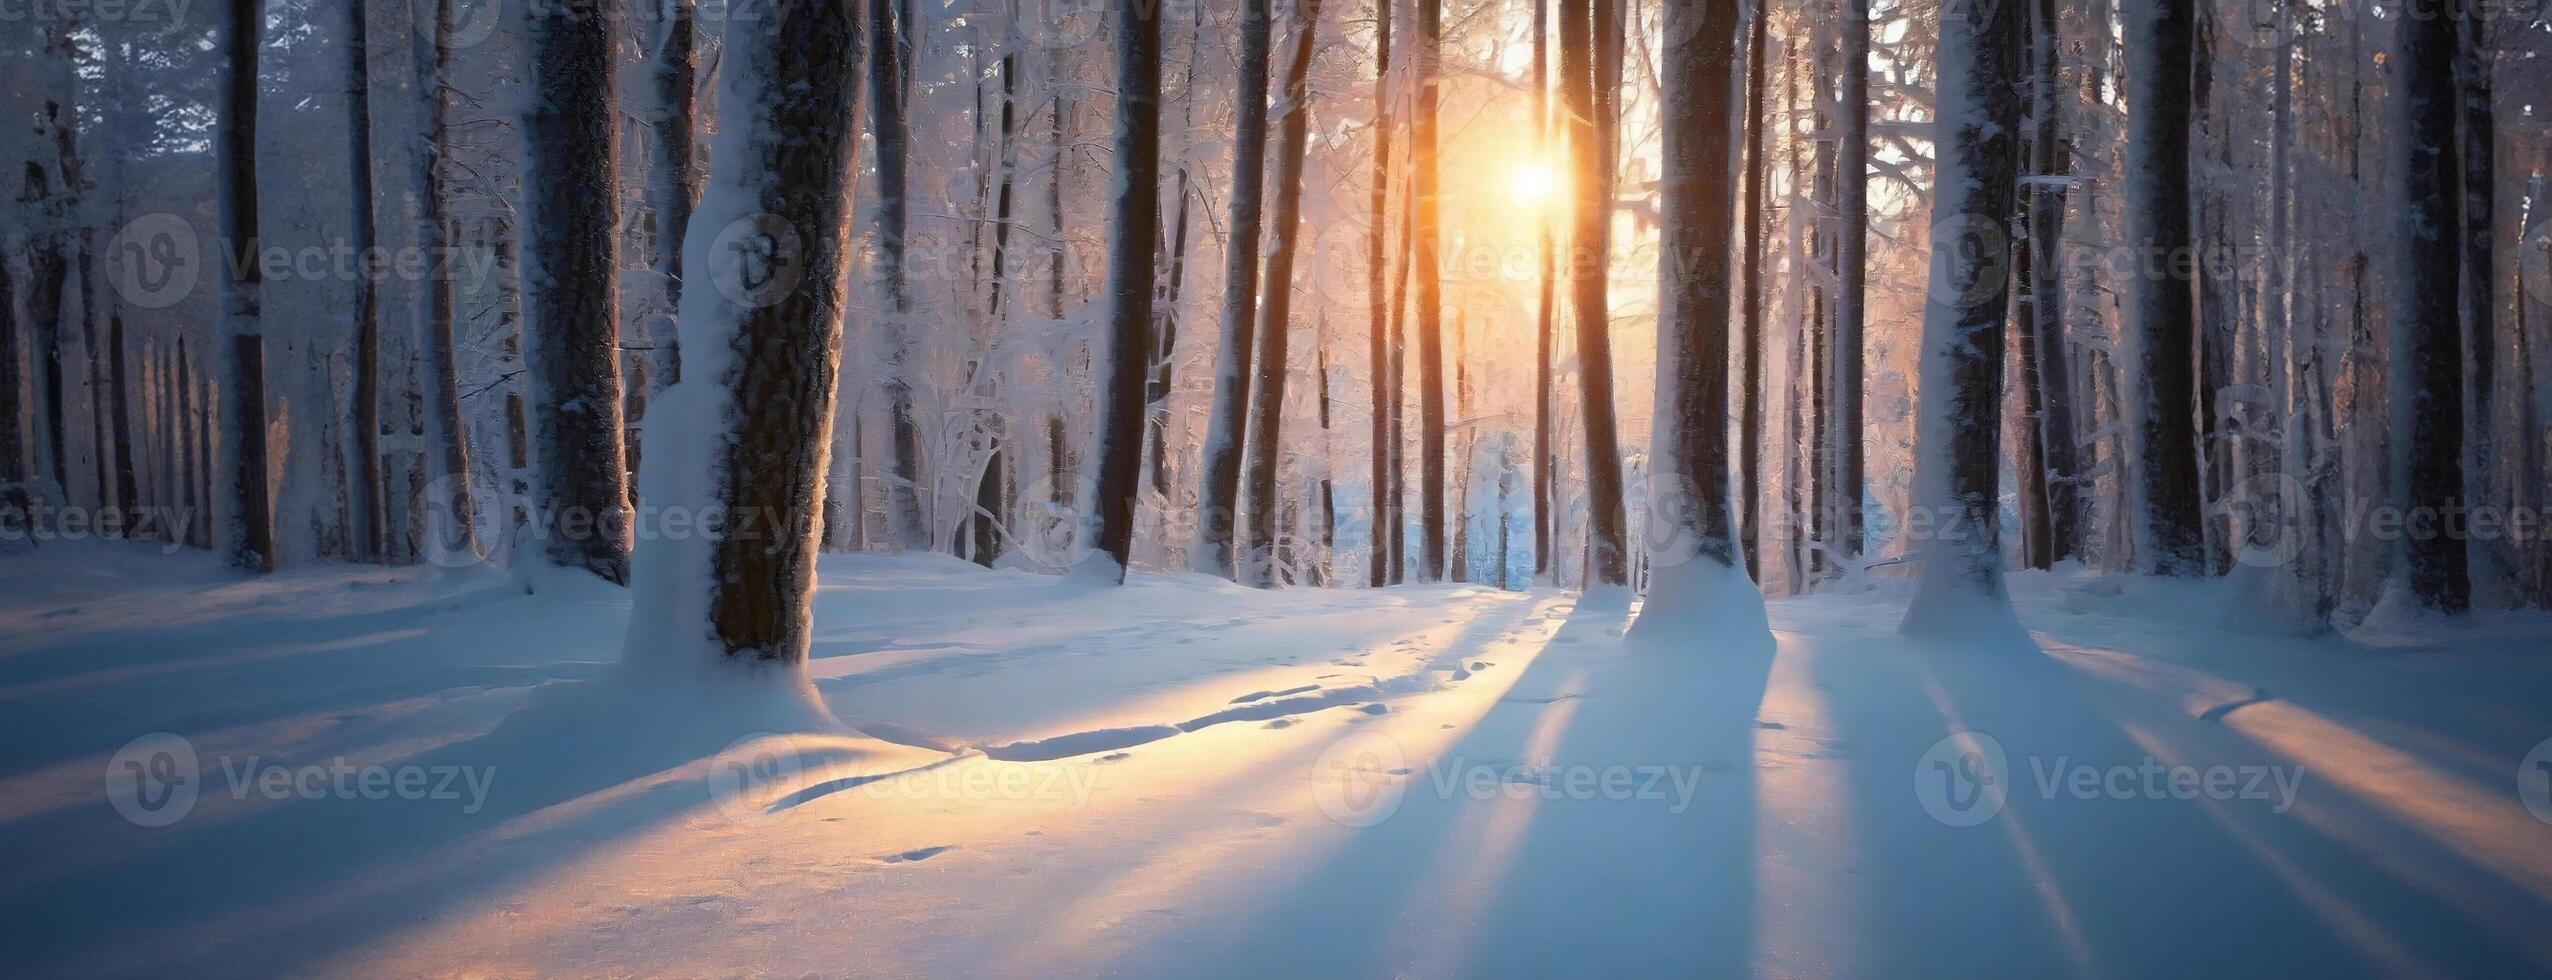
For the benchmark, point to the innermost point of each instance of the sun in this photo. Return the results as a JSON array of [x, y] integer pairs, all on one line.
[[1533, 184]]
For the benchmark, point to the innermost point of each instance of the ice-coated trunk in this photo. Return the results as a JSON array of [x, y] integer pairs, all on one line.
[[1698, 580], [1608, 556], [1958, 425], [249, 540], [1851, 263], [2166, 499], [886, 107], [747, 432], [1134, 219], [572, 297], [1218, 499], [2427, 369], [1267, 396]]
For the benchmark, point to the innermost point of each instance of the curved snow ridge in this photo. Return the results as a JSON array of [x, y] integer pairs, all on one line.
[[1259, 709]]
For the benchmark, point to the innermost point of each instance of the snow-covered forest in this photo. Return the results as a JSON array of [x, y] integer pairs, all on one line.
[[1382, 487]]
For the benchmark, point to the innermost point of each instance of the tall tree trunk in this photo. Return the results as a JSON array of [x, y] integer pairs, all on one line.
[[2480, 300], [13, 385], [1851, 260], [251, 534], [2427, 355], [754, 442], [572, 306], [447, 433], [1545, 483], [672, 75], [1218, 500], [371, 491], [1958, 426], [1750, 297], [886, 81], [1697, 578], [1608, 557], [1267, 397], [2167, 500], [119, 413], [1379, 325], [2047, 361], [1165, 319], [1133, 225], [1427, 251]]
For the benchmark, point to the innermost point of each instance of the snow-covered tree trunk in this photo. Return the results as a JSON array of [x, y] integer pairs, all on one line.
[[1378, 323], [1427, 251], [250, 537], [747, 432], [672, 76], [1958, 425], [1267, 396], [572, 302], [1608, 558], [2427, 368], [451, 534], [1218, 499], [1851, 264], [886, 86], [1698, 580], [1134, 219], [2166, 500]]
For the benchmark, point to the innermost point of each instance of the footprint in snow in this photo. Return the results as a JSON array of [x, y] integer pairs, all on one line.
[[1281, 723], [1376, 708], [917, 854], [1114, 756]]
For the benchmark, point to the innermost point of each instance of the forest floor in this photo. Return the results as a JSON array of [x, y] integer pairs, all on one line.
[[410, 771]]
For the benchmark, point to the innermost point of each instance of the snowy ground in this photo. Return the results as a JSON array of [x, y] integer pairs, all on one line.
[[399, 772]]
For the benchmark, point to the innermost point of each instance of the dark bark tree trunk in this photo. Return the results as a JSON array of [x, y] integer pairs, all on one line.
[[120, 411], [887, 86], [2480, 300], [1608, 557], [1379, 325], [2048, 364], [1133, 226], [1545, 484], [371, 492], [2427, 357], [2163, 402], [1959, 423], [1267, 396], [571, 187], [13, 385], [1165, 319], [1218, 502], [672, 75], [1851, 261], [1750, 298], [1427, 252], [251, 534], [790, 101]]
